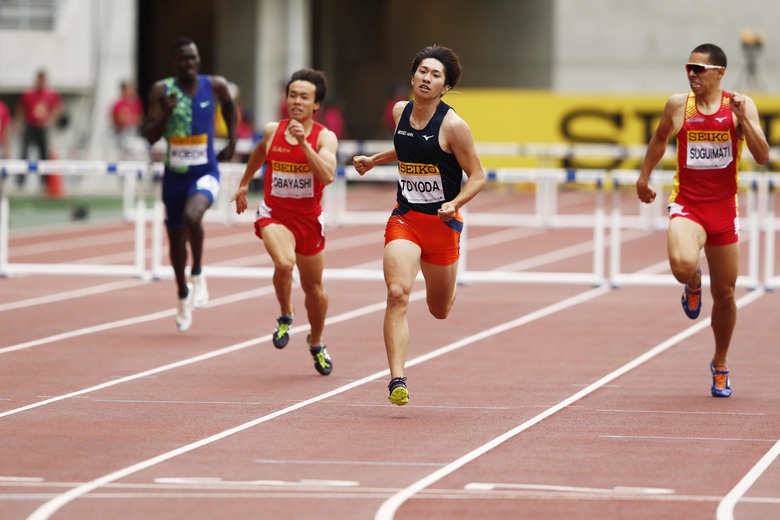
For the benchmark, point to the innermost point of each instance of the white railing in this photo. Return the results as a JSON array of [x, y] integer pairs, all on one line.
[[139, 176]]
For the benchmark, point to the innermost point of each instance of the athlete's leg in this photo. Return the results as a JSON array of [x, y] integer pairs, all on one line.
[[177, 250], [685, 240], [723, 262], [194, 210], [440, 287], [280, 244], [316, 297], [401, 263]]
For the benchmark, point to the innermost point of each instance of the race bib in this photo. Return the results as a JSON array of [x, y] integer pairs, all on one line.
[[420, 183], [708, 150], [291, 180], [190, 150]]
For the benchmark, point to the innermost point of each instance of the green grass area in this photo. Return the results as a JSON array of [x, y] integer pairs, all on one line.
[[30, 211]]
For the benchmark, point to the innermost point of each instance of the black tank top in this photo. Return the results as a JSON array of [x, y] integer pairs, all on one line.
[[428, 176]]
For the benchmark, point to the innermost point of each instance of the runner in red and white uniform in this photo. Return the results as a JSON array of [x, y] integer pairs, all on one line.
[[710, 125], [299, 158]]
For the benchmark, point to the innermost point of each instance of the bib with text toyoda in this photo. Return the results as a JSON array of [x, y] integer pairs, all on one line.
[[291, 180], [708, 150], [420, 183], [188, 150]]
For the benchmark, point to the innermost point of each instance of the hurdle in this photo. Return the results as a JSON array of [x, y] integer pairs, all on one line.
[[749, 182], [546, 182], [133, 172], [771, 280]]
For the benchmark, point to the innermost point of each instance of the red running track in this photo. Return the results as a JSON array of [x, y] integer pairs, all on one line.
[[540, 401]]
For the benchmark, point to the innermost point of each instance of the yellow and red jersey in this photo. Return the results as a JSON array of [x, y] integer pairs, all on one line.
[[289, 184], [709, 151]]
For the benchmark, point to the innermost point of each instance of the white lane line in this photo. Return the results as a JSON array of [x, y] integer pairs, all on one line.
[[677, 438], [218, 483], [563, 253], [233, 298], [66, 244], [683, 412], [387, 510], [203, 357], [150, 401], [52, 506], [348, 462], [69, 295], [726, 507], [488, 486]]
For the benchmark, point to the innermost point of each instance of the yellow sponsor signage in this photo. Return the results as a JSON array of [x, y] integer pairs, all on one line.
[[537, 117]]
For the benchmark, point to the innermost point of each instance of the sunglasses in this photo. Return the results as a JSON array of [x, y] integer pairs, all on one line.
[[698, 68]]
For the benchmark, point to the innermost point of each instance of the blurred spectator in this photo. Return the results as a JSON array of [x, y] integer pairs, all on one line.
[[5, 130], [398, 92], [127, 115], [331, 115], [282, 106], [38, 108]]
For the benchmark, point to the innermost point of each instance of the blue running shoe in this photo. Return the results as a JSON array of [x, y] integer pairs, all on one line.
[[281, 334], [322, 361], [691, 299], [721, 384], [399, 394]]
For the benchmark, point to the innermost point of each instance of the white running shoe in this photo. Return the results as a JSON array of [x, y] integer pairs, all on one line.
[[184, 311], [200, 291]]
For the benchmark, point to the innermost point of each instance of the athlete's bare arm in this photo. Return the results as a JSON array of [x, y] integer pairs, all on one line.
[[255, 162], [671, 121]]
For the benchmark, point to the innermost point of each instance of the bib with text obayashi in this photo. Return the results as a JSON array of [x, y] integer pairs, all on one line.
[[188, 150], [291, 180], [420, 183]]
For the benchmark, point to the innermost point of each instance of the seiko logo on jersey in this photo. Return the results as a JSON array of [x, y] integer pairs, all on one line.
[[405, 168], [285, 167], [414, 178], [710, 137]]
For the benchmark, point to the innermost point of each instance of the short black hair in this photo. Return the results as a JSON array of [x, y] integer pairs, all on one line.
[[181, 41], [447, 57], [316, 77], [716, 54]]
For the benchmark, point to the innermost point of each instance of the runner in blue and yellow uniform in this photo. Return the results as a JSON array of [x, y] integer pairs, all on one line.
[[433, 147], [181, 108], [710, 125]]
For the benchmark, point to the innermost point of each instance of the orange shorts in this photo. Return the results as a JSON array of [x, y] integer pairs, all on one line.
[[720, 220], [309, 231], [439, 240]]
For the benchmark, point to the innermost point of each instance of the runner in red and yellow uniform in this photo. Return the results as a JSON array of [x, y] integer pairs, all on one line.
[[710, 125], [299, 156]]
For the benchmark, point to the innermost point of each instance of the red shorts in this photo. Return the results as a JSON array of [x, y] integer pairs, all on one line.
[[308, 230], [439, 240], [720, 220]]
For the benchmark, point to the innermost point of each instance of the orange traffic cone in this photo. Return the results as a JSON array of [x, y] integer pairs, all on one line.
[[54, 187]]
